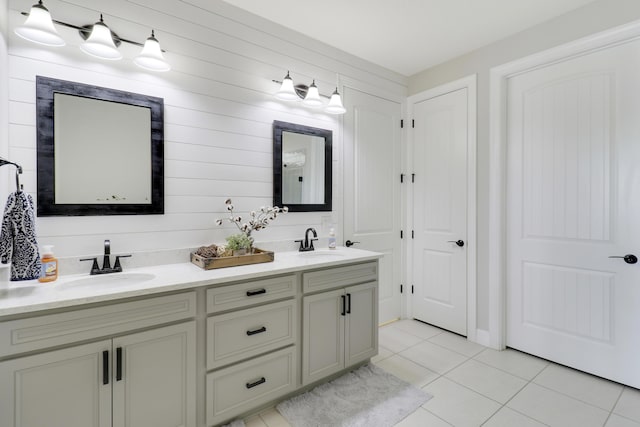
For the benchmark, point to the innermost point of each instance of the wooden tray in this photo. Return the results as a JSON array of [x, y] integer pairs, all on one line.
[[258, 256]]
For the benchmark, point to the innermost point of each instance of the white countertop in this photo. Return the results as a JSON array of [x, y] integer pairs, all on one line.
[[74, 290]]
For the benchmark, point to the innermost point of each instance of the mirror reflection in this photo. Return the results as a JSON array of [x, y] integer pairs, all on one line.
[[302, 167]]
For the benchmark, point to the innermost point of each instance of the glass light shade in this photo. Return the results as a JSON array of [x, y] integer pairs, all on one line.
[[38, 27], [287, 92], [151, 57], [100, 43], [313, 96], [335, 104]]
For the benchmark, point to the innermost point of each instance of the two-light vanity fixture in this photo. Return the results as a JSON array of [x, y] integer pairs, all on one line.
[[100, 41], [309, 96]]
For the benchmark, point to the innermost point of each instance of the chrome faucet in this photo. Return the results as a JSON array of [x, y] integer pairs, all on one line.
[[106, 262], [307, 244]]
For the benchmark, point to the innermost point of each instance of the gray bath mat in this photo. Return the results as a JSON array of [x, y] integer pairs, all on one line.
[[367, 397]]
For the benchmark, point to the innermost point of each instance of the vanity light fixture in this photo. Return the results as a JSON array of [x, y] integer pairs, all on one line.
[[151, 56], [38, 27], [100, 42], [309, 95]]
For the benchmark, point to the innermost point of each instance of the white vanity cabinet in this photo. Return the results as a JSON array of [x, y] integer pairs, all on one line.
[[133, 379], [339, 319], [254, 323]]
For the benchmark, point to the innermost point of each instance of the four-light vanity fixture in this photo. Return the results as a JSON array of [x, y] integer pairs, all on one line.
[[100, 41], [309, 95]]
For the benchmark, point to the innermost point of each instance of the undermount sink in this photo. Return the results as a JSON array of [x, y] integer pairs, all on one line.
[[110, 280], [322, 253]]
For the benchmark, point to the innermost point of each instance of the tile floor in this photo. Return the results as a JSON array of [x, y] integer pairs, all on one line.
[[476, 386]]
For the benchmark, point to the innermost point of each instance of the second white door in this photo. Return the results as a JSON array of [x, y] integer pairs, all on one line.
[[440, 157]]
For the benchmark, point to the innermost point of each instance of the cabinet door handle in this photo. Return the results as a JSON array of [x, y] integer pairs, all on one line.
[[344, 310], [348, 303], [119, 364], [105, 367], [256, 292], [257, 331], [256, 383]]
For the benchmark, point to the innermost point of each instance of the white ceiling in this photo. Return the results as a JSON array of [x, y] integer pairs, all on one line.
[[408, 36]]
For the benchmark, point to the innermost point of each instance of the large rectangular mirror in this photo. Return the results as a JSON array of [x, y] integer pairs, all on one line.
[[301, 167], [100, 151]]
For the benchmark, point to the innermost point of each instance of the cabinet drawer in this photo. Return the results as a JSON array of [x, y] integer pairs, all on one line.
[[248, 293], [238, 388], [246, 333], [22, 335], [339, 276]]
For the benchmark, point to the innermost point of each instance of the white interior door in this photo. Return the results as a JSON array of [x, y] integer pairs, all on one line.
[[573, 200], [440, 156], [372, 206]]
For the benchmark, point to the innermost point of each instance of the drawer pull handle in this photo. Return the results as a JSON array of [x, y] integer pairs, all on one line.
[[257, 331], [344, 307], [260, 381], [256, 292]]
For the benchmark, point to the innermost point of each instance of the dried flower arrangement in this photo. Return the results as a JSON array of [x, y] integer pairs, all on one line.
[[258, 220]]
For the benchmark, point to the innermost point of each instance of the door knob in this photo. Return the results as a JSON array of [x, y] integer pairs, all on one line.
[[349, 243], [457, 242], [629, 258]]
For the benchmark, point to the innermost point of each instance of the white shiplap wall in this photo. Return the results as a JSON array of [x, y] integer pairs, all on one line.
[[219, 111]]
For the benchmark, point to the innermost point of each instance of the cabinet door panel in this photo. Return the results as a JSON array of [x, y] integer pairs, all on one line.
[[361, 340], [323, 335], [62, 388], [157, 388]]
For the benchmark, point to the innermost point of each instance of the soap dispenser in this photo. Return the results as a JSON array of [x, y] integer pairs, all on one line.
[[332, 238], [49, 271]]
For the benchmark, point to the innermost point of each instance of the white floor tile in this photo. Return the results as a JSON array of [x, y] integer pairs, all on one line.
[[273, 418], [588, 388], [506, 417], [556, 409], [383, 353], [457, 343], [395, 339], [422, 418], [458, 405], [434, 357], [618, 421], [407, 370], [629, 404], [517, 363], [490, 382], [419, 329]]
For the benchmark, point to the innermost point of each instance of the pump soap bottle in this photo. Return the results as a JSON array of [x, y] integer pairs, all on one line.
[[49, 271], [332, 239]]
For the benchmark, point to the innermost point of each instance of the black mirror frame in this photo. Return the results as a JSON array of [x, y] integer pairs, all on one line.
[[278, 128], [46, 206]]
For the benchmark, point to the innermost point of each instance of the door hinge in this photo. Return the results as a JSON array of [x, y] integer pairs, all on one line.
[[401, 178], [413, 178], [401, 288], [413, 123], [401, 123], [411, 288], [401, 234]]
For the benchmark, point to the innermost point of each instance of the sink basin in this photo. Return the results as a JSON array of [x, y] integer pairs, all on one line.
[[324, 253], [108, 280]]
